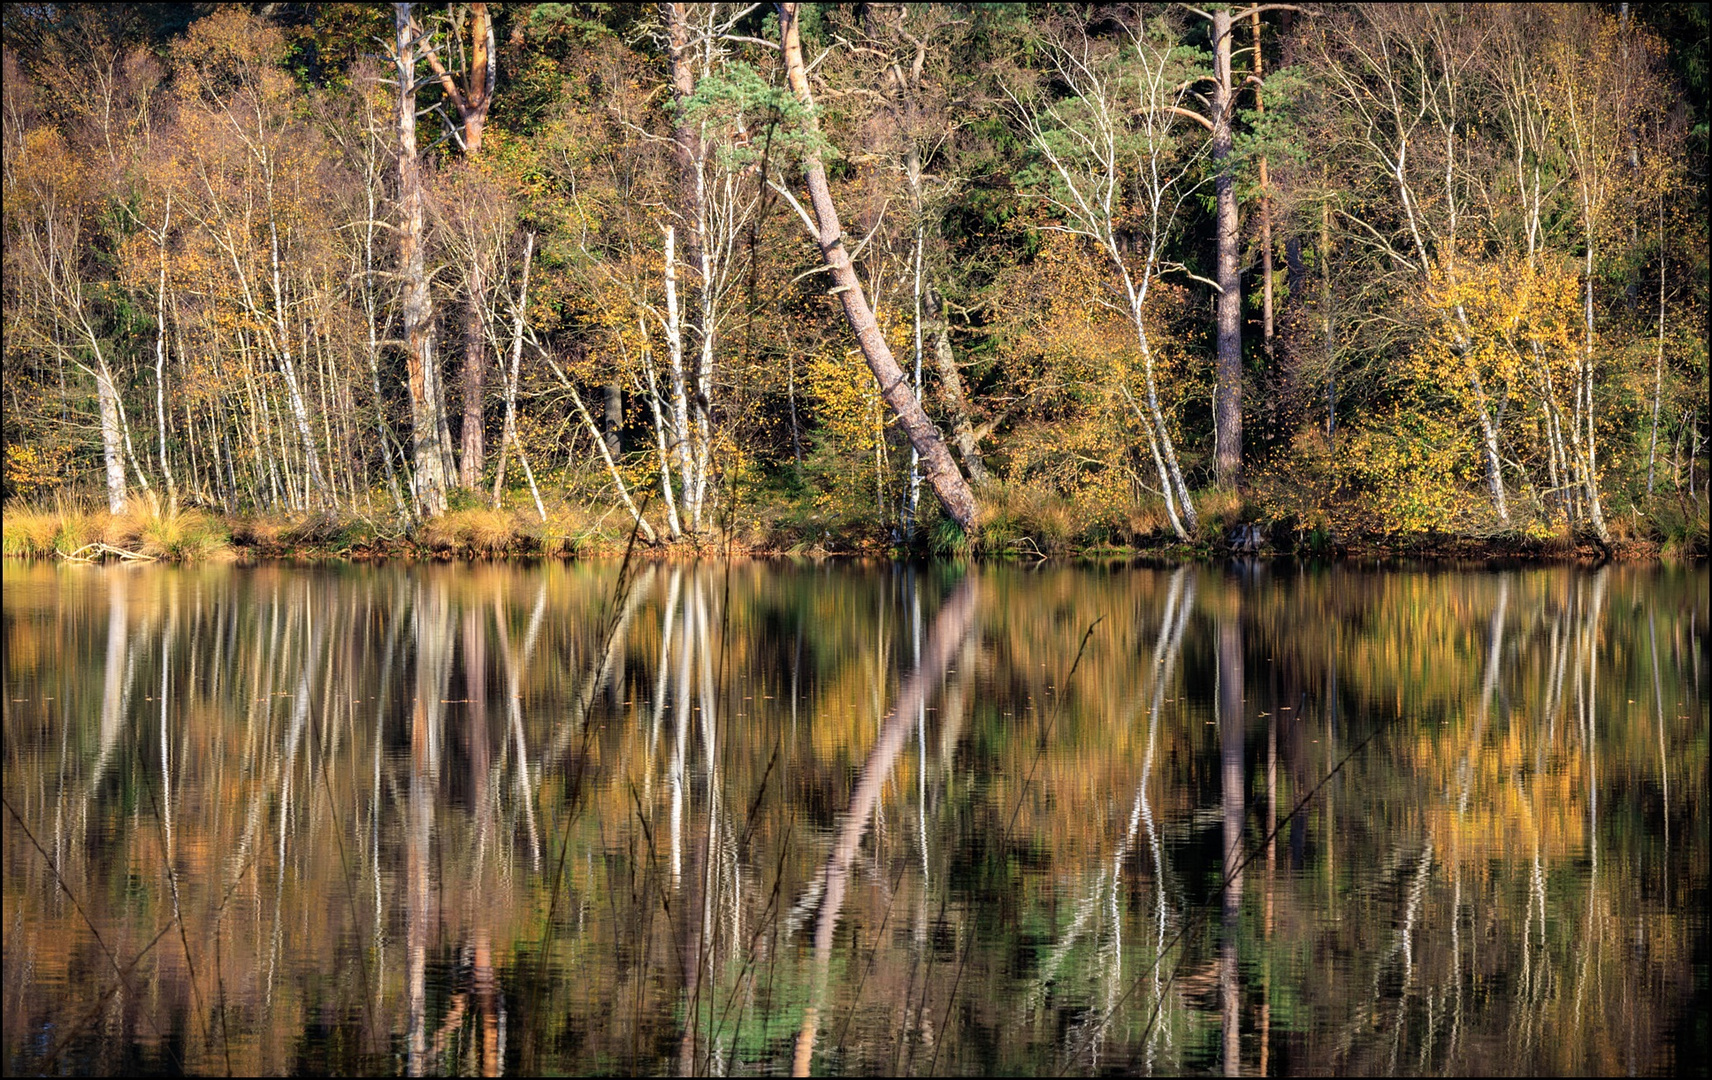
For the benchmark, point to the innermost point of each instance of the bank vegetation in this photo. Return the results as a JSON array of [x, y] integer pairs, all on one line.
[[960, 279]]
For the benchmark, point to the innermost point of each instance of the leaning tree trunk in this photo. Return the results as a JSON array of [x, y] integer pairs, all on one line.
[[941, 472]]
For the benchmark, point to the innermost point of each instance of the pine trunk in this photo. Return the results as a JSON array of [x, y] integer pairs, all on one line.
[[1227, 410]]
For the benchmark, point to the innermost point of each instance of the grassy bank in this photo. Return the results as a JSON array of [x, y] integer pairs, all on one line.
[[1025, 523], [70, 529]]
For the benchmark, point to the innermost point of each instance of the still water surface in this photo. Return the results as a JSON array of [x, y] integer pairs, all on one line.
[[770, 818]]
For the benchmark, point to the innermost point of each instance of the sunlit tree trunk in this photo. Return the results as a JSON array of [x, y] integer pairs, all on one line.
[[66, 328], [160, 360], [112, 454], [661, 426], [416, 306], [288, 367], [1658, 361], [680, 409], [941, 472], [371, 315], [915, 458], [1326, 322], [689, 151], [509, 435]]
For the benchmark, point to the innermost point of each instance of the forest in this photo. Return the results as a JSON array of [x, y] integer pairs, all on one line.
[[990, 279]]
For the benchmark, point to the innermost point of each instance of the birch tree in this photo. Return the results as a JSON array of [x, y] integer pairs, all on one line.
[[250, 192], [1397, 76], [711, 205], [1116, 132]]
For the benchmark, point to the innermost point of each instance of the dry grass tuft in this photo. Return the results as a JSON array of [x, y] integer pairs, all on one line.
[[144, 528], [29, 532], [259, 530], [475, 532], [1146, 521], [1025, 518], [184, 536], [1219, 510]]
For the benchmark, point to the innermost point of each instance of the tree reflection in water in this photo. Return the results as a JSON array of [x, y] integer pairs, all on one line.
[[853, 818]]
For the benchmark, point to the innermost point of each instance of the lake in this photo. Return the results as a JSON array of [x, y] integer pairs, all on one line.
[[769, 817]]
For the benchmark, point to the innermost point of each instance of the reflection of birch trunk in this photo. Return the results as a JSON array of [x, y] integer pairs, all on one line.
[[514, 665], [1585, 684], [1494, 648], [597, 675], [477, 750], [1586, 698], [1162, 908], [950, 628], [1664, 766], [668, 615], [166, 766], [695, 904], [399, 599], [116, 687], [287, 772], [433, 668], [1178, 603], [486, 986]]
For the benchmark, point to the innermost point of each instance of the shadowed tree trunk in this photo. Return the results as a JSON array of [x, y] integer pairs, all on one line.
[[951, 388], [1232, 783], [1227, 409], [1227, 404], [472, 102], [614, 418], [1265, 211]]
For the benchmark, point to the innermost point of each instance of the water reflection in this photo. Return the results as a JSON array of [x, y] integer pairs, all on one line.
[[755, 818]]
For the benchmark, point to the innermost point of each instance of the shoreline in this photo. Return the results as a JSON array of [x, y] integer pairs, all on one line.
[[189, 536], [1439, 552]]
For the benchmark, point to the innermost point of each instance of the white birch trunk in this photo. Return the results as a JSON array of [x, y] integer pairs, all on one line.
[[674, 329]]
